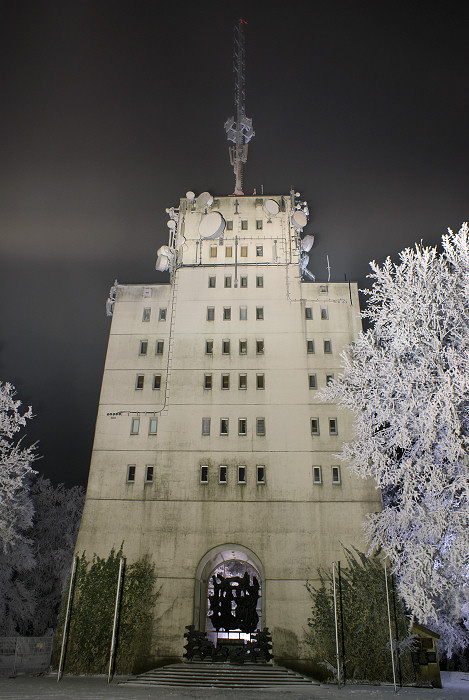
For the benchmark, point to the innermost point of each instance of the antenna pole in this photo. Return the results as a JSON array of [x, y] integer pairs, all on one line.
[[239, 132]]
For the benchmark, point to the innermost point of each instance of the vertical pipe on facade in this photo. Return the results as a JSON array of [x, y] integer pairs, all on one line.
[[341, 621], [67, 618], [390, 630], [114, 624], [336, 625]]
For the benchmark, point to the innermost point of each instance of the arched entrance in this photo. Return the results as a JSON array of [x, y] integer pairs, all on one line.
[[229, 585]]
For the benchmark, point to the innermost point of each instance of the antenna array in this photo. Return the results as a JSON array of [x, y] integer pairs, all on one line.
[[240, 132]]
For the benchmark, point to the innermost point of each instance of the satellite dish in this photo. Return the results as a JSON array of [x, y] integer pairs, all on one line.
[[180, 240], [299, 220], [211, 225], [307, 243], [190, 195], [171, 224], [304, 262], [271, 207], [204, 200], [162, 263], [164, 250]]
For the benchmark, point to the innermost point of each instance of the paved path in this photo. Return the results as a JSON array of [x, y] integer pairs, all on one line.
[[96, 688]]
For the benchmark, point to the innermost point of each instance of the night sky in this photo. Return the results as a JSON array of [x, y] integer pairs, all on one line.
[[111, 111]]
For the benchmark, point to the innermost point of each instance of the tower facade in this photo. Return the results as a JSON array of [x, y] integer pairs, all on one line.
[[213, 454]]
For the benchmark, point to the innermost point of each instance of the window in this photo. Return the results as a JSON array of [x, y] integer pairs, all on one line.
[[157, 381], [260, 426], [312, 381], [259, 224], [241, 475], [162, 315], [324, 313], [260, 474], [139, 381], [260, 381], [210, 313], [260, 313], [310, 347], [204, 474], [159, 347], [260, 347], [146, 314], [335, 475], [227, 281], [244, 251], [323, 289], [244, 281], [134, 426], [225, 381], [308, 313], [212, 281], [207, 381], [229, 225], [317, 476], [227, 313], [243, 347], [314, 426], [229, 251], [333, 429], [244, 225], [209, 347], [131, 473], [213, 251], [243, 313], [147, 292], [329, 378], [149, 470], [327, 347], [242, 426], [259, 251], [224, 423], [143, 347], [205, 426], [222, 475], [259, 281], [152, 426], [243, 381]]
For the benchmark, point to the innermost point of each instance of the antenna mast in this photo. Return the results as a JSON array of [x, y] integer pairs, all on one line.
[[240, 132]]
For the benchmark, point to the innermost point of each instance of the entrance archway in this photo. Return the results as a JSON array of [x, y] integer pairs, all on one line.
[[218, 566]]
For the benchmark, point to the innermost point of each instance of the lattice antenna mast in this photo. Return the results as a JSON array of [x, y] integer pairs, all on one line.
[[240, 132]]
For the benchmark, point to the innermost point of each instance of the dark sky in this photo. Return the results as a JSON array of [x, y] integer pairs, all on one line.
[[112, 110]]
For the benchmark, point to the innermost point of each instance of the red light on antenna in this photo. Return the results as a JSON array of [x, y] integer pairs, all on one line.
[[242, 21]]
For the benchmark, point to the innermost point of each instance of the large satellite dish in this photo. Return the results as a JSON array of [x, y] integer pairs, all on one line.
[[204, 200], [299, 220], [307, 243], [211, 225], [271, 207], [162, 263]]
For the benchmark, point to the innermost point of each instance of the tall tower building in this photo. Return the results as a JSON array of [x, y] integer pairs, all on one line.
[[213, 454]]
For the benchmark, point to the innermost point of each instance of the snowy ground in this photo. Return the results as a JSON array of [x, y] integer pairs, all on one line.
[[96, 688]]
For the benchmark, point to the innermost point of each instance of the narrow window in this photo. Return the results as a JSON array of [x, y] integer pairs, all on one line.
[[243, 281], [312, 381], [204, 474], [314, 426], [259, 281], [212, 281], [317, 476], [227, 281], [241, 475], [157, 381], [243, 381], [131, 473], [259, 224], [139, 381], [143, 347], [244, 251], [159, 347], [227, 313], [225, 347], [134, 426], [224, 426], [149, 473], [260, 347], [260, 474], [207, 381], [244, 225], [260, 381], [323, 289], [310, 347], [335, 475], [308, 313], [260, 426], [242, 426], [152, 426], [229, 225], [162, 315], [222, 474], [243, 313], [210, 313], [225, 381], [324, 313], [259, 251], [243, 347], [205, 426], [333, 429], [229, 251], [259, 313], [329, 378], [146, 314], [327, 347], [213, 251], [209, 347], [147, 292]]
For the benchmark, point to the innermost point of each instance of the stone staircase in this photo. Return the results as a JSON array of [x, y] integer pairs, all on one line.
[[220, 675]]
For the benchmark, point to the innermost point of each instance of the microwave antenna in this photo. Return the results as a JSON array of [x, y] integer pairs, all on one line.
[[239, 132]]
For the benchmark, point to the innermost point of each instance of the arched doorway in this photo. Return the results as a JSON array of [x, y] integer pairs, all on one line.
[[229, 585]]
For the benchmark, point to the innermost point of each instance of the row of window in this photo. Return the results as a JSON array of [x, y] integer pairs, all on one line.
[[226, 347], [241, 470], [225, 426], [243, 281], [162, 314], [225, 383], [309, 313], [243, 313], [152, 426], [243, 249], [243, 346], [212, 280]]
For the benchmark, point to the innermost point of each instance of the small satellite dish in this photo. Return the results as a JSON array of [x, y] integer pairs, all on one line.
[[271, 207], [307, 243], [162, 263], [299, 220], [190, 195], [171, 224], [204, 200], [212, 225], [180, 240]]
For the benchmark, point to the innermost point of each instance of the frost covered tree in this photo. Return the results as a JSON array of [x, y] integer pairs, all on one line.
[[406, 380]]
